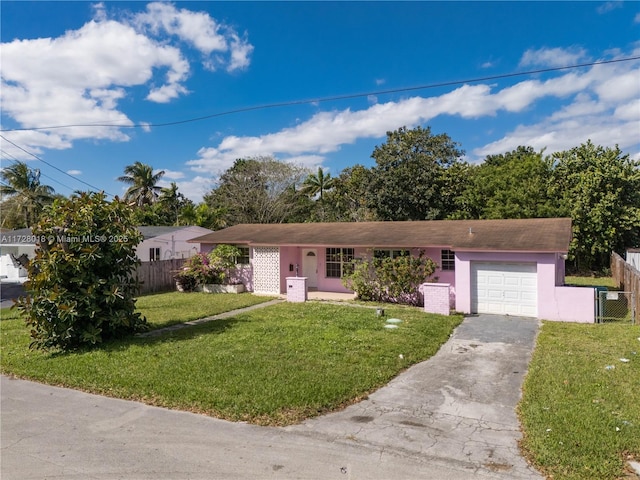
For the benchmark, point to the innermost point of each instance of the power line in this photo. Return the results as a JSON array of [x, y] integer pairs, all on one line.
[[331, 98], [54, 167], [14, 159]]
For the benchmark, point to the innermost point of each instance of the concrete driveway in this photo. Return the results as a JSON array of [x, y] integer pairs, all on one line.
[[451, 417], [457, 408]]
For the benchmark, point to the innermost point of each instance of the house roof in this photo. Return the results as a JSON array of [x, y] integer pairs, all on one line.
[[524, 235], [153, 231]]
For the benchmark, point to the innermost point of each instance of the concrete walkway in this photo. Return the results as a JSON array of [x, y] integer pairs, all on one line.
[[220, 316], [451, 417]]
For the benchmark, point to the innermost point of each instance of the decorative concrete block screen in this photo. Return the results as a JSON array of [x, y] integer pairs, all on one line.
[[296, 289], [436, 298], [266, 270]]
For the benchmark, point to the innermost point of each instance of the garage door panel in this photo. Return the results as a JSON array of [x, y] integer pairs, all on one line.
[[510, 281], [512, 295], [504, 288]]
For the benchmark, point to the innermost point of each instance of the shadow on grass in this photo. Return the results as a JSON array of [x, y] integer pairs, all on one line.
[[214, 327]]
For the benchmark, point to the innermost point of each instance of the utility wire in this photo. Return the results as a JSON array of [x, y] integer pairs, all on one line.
[[332, 98], [54, 167], [14, 159]]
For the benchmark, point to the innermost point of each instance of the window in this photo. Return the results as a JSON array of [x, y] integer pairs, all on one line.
[[154, 254], [338, 261], [448, 260], [243, 258], [390, 253]]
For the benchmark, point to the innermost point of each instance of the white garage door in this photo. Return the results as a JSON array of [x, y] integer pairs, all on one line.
[[504, 288]]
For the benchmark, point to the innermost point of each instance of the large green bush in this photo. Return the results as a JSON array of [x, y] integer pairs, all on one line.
[[394, 280], [81, 288]]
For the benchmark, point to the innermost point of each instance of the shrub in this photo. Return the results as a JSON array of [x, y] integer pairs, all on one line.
[[187, 281], [202, 269], [394, 280], [81, 288], [214, 267]]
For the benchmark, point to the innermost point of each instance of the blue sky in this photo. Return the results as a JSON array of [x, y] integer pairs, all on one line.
[[135, 64]]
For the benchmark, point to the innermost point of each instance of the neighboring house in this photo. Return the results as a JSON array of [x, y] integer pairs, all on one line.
[[165, 243], [160, 243], [16, 248], [633, 257], [511, 267]]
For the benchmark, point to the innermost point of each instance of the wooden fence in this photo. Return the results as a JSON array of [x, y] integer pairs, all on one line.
[[627, 277], [158, 276]]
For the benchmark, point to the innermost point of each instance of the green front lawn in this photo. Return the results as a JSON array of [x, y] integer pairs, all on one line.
[[166, 309], [580, 409], [588, 281], [276, 365]]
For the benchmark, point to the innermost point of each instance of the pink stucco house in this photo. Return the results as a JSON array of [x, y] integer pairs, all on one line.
[[513, 267]]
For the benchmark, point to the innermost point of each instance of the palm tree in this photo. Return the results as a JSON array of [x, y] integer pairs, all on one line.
[[172, 201], [143, 189], [25, 195], [318, 183]]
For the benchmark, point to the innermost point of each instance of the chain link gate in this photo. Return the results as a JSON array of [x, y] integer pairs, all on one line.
[[615, 307]]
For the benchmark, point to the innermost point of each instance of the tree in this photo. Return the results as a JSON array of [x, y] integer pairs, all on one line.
[[23, 196], [257, 190], [166, 210], [315, 185], [347, 200], [202, 215], [599, 188], [510, 185], [143, 189], [81, 288], [409, 179]]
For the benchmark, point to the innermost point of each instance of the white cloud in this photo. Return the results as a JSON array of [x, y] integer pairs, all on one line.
[[566, 134], [74, 172], [80, 77], [628, 111], [608, 6], [196, 188], [604, 109], [170, 174], [553, 57], [620, 88], [591, 103], [220, 44], [636, 19]]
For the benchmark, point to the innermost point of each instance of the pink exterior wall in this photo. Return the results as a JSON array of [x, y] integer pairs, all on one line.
[[289, 256], [243, 274], [554, 302], [326, 284], [571, 304], [293, 256]]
